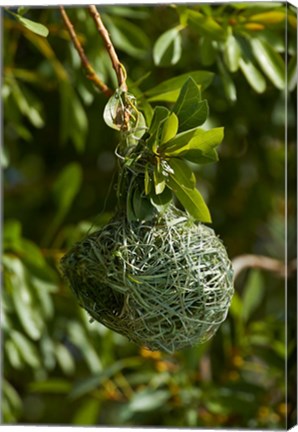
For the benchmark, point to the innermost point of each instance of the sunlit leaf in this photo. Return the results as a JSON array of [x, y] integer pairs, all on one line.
[[169, 128], [269, 17], [167, 49], [28, 104], [205, 25], [168, 90], [270, 62], [65, 359], [253, 75], [201, 140], [23, 299], [232, 52], [12, 405], [13, 354], [227, 81], [182, 183], [148, 400], [159, 181], [26, 349], [33, 26]]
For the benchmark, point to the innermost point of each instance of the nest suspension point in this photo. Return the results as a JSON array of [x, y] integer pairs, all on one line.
[[166, 284]]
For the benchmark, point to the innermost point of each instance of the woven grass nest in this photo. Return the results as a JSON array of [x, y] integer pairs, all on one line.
[[165, 284]]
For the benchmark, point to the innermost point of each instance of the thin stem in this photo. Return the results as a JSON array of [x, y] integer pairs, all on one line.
[[91, 74], [242, 262], [118, 67]]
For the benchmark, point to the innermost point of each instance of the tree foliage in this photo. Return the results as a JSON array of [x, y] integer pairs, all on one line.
[[58, 179]]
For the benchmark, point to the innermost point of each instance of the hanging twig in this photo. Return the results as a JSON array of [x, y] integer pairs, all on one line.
[[118, 67], [91, 74], [242, 262]]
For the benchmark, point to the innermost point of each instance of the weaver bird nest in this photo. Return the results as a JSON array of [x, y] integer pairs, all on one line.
[[165, 284]]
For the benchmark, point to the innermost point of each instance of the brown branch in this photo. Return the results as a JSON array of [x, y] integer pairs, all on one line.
[[119, 69], [242, 262], [91, 74]]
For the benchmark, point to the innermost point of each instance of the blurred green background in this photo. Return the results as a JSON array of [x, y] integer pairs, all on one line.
[[59, 171]]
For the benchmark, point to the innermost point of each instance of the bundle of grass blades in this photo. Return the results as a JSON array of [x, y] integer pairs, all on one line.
[[154, 273], [165, 284]]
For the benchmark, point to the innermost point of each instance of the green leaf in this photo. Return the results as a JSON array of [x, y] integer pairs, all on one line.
[[205, 25], [12, 405], [270, 62], [201, 157], [56, 386], [147, 179], [252, 75], [65, 189], [67, 186], [22, 10], [159, 181], [27, 103], [73, 121], [111, 110], [65, 359], [148, 400], [182, 183], [79, 338], [87, 413], [191, 111], [232, 52], [201, 140], [207, 51], [11, 234], [247, 65], [161, 201], [23, 299], [253, 294], [160, 113], [169, 128], [128, 12], [182, 173], [33, 26], [270, 17], [167, 49], [179, 140], [26, 349], [236, 306], [168, 90], [159, 117], [228, 83], [127, 36], [13, 354], [142, 206]]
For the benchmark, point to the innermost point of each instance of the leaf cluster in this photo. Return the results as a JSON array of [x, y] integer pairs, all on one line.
[[243, 37], [161, 158]]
